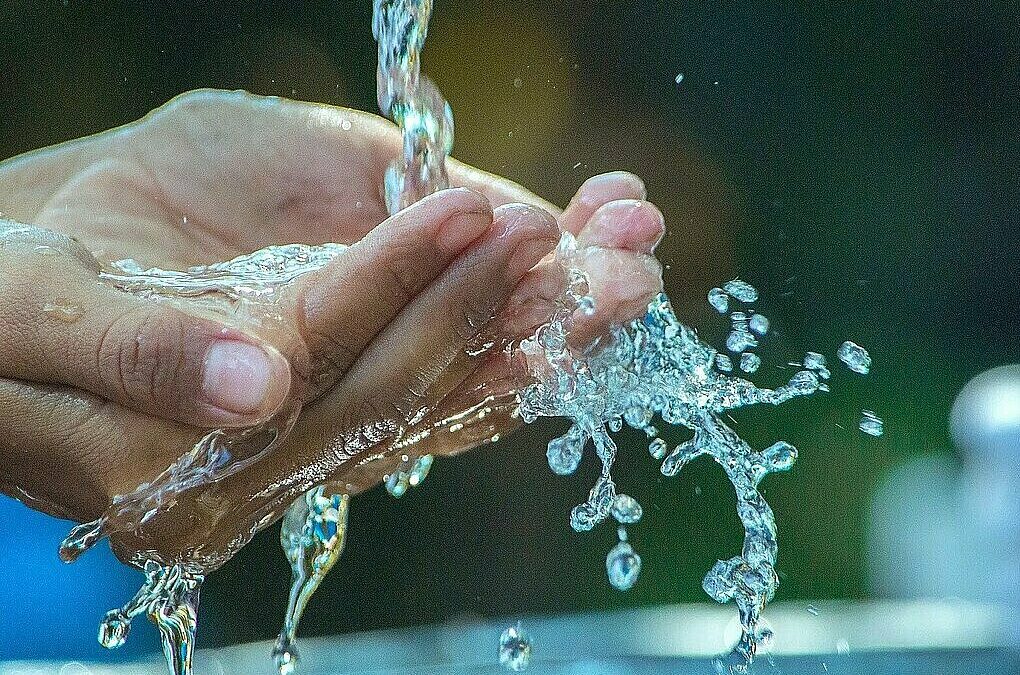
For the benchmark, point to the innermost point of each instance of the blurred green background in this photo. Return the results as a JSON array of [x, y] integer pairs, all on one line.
[[855, 161]]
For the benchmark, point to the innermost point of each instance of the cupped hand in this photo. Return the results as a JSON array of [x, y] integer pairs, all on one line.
[[101, 390]]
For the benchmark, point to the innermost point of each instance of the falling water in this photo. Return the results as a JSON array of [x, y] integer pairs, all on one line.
[[654, 370]]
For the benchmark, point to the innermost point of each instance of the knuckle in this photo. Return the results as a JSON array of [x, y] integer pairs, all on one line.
[[141, 354], [401, 276]]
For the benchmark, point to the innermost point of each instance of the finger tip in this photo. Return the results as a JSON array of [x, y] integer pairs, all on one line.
[[610, 186], [630, 224]]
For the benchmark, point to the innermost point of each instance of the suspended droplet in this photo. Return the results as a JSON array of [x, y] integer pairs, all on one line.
[[759, 324], [871, 424], [749, 362], [623, 566], [741, 290], [657, 448], [855, 357], [626, 509], [719, 300], [514, 649]]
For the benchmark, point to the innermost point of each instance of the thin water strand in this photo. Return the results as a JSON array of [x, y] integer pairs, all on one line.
[[312, 535]]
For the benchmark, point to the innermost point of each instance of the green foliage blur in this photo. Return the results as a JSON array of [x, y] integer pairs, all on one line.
[[857, 162]]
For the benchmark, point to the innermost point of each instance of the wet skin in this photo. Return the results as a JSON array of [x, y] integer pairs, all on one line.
[[381, 338]]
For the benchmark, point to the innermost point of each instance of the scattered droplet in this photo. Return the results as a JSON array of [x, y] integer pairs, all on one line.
[[514, 649], [518, 83], [871, 424], [812, 610], [749, 362], [657, 448], [626, 509], [740, 340], [855, 357], [623, 566], [586, 305], [741, 290], [679, 78], [759, 324], [719, 300], [63, 309]]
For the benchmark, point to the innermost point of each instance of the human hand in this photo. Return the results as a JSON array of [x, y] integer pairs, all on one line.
[[93, 407]]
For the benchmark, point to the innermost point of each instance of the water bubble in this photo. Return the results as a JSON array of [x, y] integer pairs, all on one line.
[[514, 649], [741, 290], [719, 300], [586, 305], [759, 324], [871, 424], [749, 362], [626, 509], [740, 340], [63, 310], [623, 566], [114, 629], [657, 448], [855, 357]]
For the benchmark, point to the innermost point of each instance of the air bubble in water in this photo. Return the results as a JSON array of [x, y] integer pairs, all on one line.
[[514, 649], [855, 357]]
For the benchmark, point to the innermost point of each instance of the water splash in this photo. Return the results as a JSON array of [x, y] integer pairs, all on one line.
[[514, 649], [169, 598], [313, 535], [659, 367]]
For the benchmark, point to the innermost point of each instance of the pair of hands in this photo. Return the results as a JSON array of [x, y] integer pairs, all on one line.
[[101, 390]]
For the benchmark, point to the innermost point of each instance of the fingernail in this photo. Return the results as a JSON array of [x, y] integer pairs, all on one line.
[[611, 186], [629, 224], [461, 228], [242, 378]]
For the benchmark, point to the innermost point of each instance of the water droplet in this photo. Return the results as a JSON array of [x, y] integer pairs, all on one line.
[[749, 362], [626, 509], [719, 300], [63, 309], [114, 629], [623, 566], [780, 456], [514, 649], [723, 362], [871, 424], [46, 250], [586, 305], [657, 448], [812, 610], [679, 78], [855, 357], [740, 340], [518, 83], [759, 324], [741, 290]]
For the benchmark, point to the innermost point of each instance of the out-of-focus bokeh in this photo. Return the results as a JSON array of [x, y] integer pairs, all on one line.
[[855, 161]]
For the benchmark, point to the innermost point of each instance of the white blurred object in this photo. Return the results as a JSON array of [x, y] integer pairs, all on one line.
[[939, 529]]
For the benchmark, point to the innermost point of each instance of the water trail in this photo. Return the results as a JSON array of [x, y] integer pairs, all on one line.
[[425, 120], [169, 597], [313, 535], [651, 368]]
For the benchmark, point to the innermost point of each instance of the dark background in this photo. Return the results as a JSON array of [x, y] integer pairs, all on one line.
[[855, 161]]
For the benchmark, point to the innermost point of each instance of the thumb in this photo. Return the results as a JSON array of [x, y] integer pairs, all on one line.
[[59, 325]]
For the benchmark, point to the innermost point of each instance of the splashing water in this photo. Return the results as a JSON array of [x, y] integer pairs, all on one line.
[[651, 368], [514, 649], [313, 535]]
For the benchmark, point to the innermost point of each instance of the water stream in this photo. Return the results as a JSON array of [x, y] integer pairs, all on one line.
[[654, 371]]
